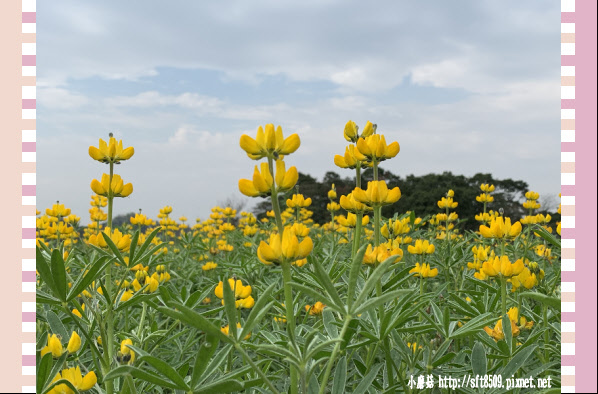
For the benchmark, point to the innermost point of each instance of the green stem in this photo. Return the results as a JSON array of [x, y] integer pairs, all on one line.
[[255, 368], [332, 358], [377, 212], [357, 234], [503, 295], [290, 311], [141, 320], [275, 203], [110, 312]]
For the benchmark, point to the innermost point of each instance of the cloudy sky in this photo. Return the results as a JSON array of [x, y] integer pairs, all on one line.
[[463, 86]]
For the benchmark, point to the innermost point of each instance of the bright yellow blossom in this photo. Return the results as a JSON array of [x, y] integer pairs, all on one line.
[[111, 152], [269, 143], [116, 188], [377, 194]]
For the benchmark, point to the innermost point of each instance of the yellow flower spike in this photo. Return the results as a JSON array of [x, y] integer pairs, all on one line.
[[502, 266], [54, 346], [421, 247], [116, 188], [447, 202], [350, 204], [500, 228], [376, 255], [316, 309], [298, 200], [128, 356], [350, 131], [424, 271], [332, 193], [73, 375], [374, 147], [111, 152], [285, 180], [74, 343], [352, 158], [269, 143], [377, 194], [285, 248], [486, 188], [58, 210], [261, 185]]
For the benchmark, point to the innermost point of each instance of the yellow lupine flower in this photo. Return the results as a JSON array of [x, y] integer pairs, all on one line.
[[421, 247], [261, 185], [111, 152], [503, 267], [127, 354], [114, 188], [210, 265], [225, 331], [58, 210], [73, 375], [376, 255], [286, 248], [237, 286], [316, 309], [486, 188], [424, 271], [500, 228], [447, 202], [351, 219], [526, 279], [54, 346], [352, 159], [285, 180], [350, 204], [270, 143], [74, 343], [375, 148], [377, 194], [298, 201], [351, 131]]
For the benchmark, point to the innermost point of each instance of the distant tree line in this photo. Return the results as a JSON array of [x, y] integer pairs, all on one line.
[[419, 194]]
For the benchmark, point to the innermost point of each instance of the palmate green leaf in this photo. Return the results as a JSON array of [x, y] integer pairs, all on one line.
[[205, 353], [506, 328], [552, 302], [374, 302], [54, 371], [113, 248], [367, 379], [138, 373], [478, 359], [56, 326], [165, 369], [230, 309], [59, 274], [59, 382], [329, 320], [370, 283], [325, 281], [356, 265], [43, 298], [517, 362], [85, 280], [133, 246], [340, 376], [43, 372], [475, 324], [133, 260], [45, 273], [541, 231], [259, 310], [317, 296], [194, 319], [482, 283]]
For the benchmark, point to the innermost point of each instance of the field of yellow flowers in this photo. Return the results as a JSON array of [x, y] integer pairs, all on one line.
[[363, 303]]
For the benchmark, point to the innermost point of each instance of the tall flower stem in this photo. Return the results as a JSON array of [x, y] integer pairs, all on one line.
[[286, 278], [359, 216], [334, 354], [503, 295], [110, 314]]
